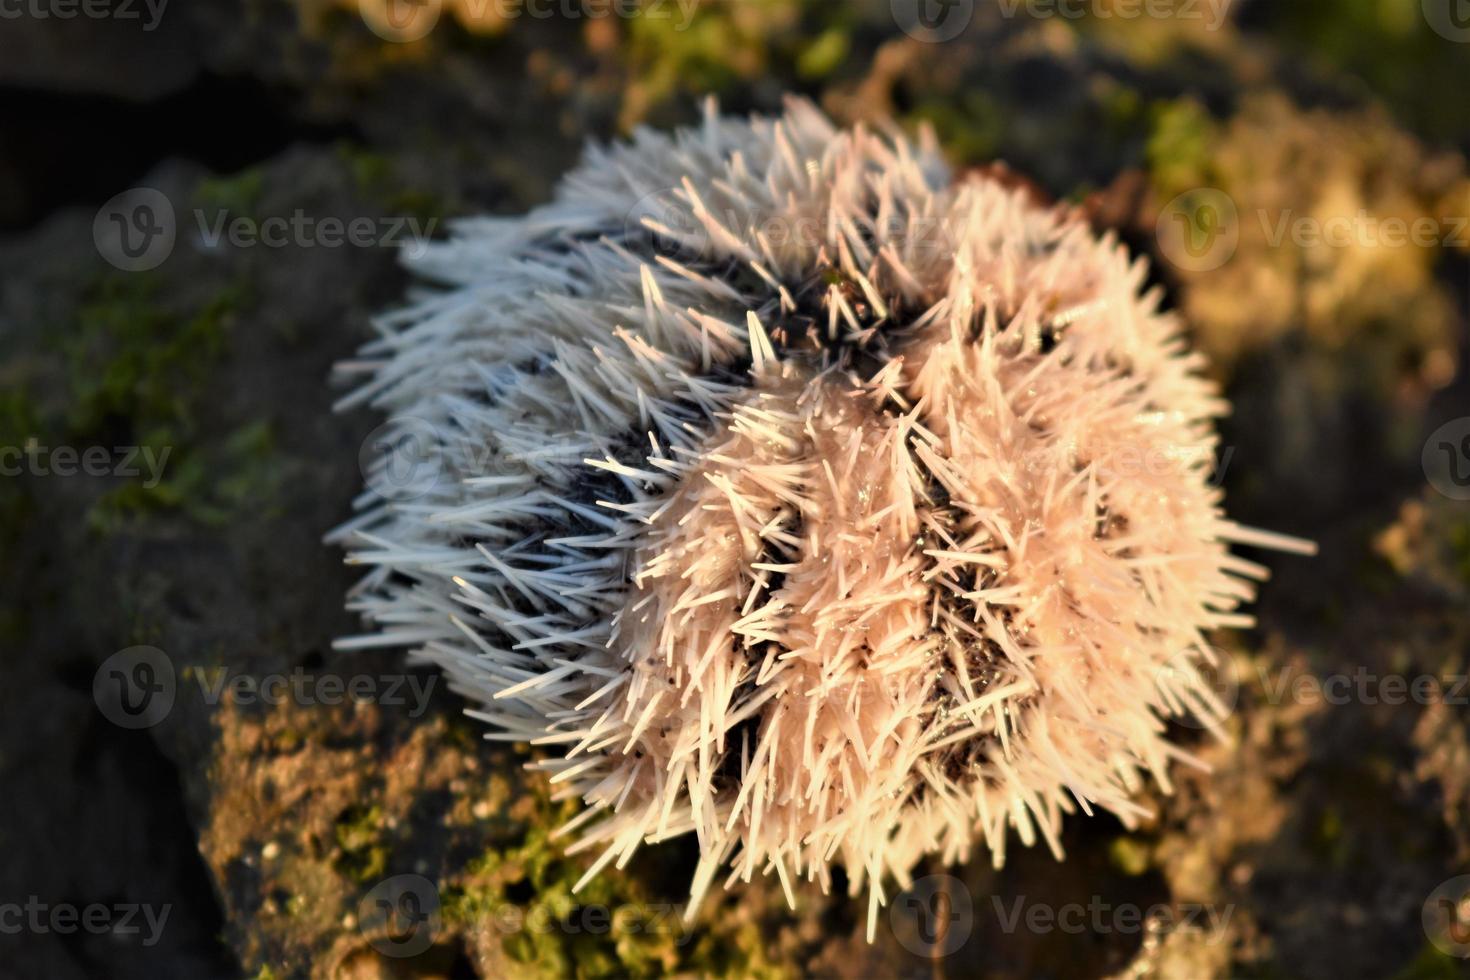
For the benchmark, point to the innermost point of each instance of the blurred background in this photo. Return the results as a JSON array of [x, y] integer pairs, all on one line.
[[200, 206]]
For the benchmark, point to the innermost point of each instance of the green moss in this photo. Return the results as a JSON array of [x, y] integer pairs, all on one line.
[[211, 483], [1391, 45], [362, 854], [424, 207], [375, 176], [1327, 838], [610, 928], [664, 57], [17, 513], [1179, 146], [970, 131], [740, 952], [132, 359], [1432, 963], [238, 194], [1459, 541], [19, 419], [139, 374], [1129, 855], [719, 45], [370, 170], [19, 423], [1261, 971], [1127, 115], [824, 54]]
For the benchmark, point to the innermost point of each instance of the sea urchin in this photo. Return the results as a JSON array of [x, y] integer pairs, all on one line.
[[797, 495]]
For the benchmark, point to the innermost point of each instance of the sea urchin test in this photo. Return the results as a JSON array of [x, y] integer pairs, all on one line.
[[790, 492]]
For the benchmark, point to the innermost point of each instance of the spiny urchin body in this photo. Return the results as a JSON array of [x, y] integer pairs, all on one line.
[[793, 494]]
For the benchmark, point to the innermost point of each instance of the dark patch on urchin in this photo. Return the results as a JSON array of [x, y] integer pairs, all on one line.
[[596, 487], [803, 332], [942, 519], [958, 762], [741, 740], [961, 762], [1111, 525], [810, 332], [1049, 336]]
